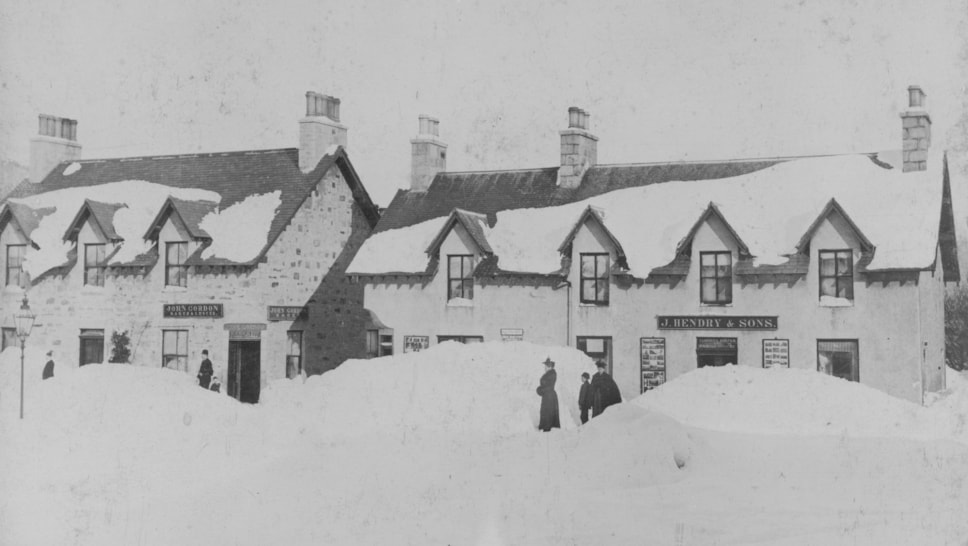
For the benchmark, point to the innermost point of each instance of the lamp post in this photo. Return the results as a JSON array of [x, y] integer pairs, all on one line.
[[24, 320]]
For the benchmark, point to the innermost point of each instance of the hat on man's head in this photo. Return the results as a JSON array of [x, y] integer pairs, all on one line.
[[204, 351], [601, 364], [50, 353], [549, 362], [584, 375]]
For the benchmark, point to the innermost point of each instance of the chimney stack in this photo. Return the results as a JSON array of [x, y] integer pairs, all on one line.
[[319, 130], [915, 131], [428, 154], [579, 149], [56, 141]]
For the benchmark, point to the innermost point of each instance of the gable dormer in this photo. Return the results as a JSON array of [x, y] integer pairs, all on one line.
[[99, 217], [18, 222], [460, 247], [833, 227]]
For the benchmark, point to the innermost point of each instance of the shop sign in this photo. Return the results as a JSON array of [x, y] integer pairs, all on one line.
[[413, 344], [181, 310], [652, 362], [716, 344], [287, 313], [243, 331], [776, 353], [512, 334], [700, 322]]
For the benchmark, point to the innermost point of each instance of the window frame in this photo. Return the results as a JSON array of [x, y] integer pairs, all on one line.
[[465, 279], [293, 371], [100, 264], [837, 276], [164, 355], [602, 278], [19, 268], [179, 268], [855, 365], [725, 280]]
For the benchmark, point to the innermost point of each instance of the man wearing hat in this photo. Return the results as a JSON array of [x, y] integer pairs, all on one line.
[[205, 370], [49, 367], [604, 390], [549, 398], [584, 397]]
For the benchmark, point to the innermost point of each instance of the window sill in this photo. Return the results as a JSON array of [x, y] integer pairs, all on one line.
[[827, 301], [587, 304], [460, 302], [715, 305]]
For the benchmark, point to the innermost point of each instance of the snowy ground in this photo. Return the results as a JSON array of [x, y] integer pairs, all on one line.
[[440, 448]]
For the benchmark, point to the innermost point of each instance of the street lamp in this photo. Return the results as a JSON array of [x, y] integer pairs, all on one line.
[[24, 320]]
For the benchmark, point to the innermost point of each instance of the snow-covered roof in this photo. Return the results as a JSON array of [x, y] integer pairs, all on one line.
[[769, 209]]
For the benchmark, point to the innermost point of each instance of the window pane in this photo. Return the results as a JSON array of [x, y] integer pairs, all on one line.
[[466, 267], [468, 288], [601, 262], [707, 260], [708, 289], [828, 287], [602, 292], [724, 294], [843, 263], [587, 266], [827, 264]]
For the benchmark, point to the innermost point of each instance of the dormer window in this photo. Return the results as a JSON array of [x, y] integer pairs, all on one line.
[[594, 278], [176, 272], [15, 265], [94, 264], [460, 283], [837, 274], [716, 278]]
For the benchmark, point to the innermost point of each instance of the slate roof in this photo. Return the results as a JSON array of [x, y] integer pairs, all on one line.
[[101, 214], [25, 217], [472, 223], [233, 175], [188, 213]]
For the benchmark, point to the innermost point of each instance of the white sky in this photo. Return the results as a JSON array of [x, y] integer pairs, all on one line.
[[662, 80]]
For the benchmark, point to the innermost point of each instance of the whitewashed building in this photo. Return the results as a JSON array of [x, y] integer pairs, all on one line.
[[835, 263], [240, 253]]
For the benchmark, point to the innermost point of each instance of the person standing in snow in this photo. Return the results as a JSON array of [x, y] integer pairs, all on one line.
[[604, 390], [584, 398], [205, 370], [216, 385], [49, 367], [549, 398]]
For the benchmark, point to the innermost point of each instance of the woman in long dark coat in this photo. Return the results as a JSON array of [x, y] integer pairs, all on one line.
[[549, 398]]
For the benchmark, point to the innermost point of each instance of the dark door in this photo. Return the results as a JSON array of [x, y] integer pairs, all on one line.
[[92, 347], [715, 351], [244, 370]]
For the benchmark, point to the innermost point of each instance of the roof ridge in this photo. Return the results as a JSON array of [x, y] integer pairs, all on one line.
[[182, 156], [734, 160], [499, 170]]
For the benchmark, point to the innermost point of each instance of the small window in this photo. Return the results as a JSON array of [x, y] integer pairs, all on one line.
[[176, 272], [379, 343], [174, 349], [837, 274], [594, 278], [294, 364], [9, 338], [461, 339], [597, 348], [460, 283], [15, 265], [716, 277], [94, 264], [839, 358]]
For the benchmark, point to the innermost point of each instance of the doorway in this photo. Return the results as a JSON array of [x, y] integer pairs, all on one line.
[[92, 347], [715, 351], [244, 370]]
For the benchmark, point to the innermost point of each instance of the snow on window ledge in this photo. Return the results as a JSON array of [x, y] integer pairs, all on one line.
[[831, 301], [171, 288], [706, 305], [460, 302], [592, 304]]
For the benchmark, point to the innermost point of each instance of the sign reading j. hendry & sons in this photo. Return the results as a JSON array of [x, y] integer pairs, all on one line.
[[286, 312], [207, 310], [716, 323]]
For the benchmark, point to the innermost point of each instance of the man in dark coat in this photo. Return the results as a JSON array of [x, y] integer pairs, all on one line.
[[205, 370], [604, 390], [549, 398], [49, 367], [584, 398]]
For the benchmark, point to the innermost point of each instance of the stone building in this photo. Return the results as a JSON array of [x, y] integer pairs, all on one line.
[[242, 254], [834, 263]]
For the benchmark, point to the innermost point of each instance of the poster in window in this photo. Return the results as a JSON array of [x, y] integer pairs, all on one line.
[[776, 353], [413, 344], [652, 362]]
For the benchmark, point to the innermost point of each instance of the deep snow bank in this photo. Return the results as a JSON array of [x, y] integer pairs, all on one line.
[[481, 389], [794, 401]]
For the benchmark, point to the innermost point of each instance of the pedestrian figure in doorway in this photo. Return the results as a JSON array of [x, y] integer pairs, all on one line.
[[584, 398], [216, 385], [49, 367], [549, 398], [205, 370], [604, 390]]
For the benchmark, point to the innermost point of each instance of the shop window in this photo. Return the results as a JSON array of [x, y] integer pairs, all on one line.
[[294, 364], [15, 265], [174, 349], [176, 272], [716, 277], [460, 283], [94, 264], [837, 274], [597, 348], [716, 351], [461, 339], [9, 338], [594, 279], [92, 347], [839, 358], [379, 343]]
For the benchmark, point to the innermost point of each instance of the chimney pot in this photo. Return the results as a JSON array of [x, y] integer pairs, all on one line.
[[574, 117], [428, 154], [915, 132], [579, 149], [56, 142], [916, 97]]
